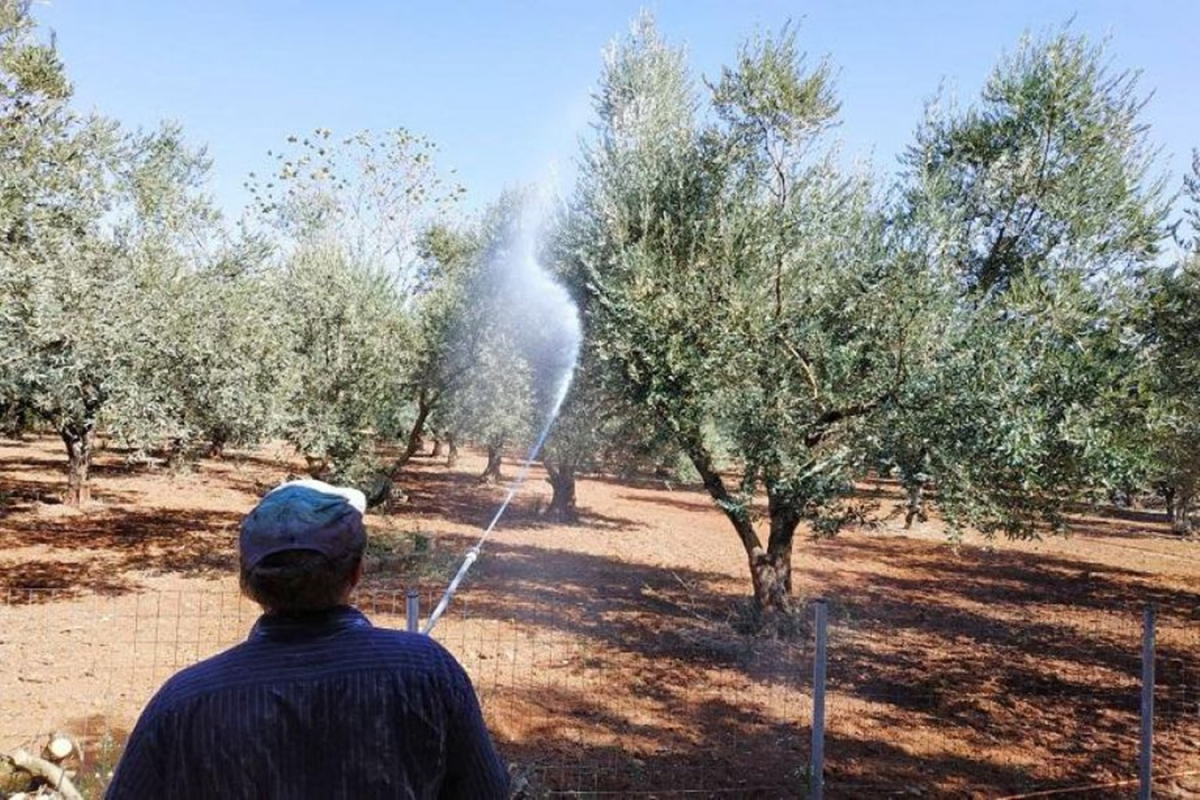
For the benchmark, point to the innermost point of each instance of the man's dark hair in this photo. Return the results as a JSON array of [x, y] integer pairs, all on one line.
[[299, 580]]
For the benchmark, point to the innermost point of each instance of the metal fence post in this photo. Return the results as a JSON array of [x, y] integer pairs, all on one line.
[[412, 611], [816, 775], [1145, 783]]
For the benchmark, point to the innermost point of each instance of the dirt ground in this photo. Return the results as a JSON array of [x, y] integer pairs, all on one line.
[[607, 653]]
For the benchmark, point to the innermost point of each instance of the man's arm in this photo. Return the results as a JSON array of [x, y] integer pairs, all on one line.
[[473, 767]]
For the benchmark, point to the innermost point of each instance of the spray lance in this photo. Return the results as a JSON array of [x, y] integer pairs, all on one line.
[[473, 554]]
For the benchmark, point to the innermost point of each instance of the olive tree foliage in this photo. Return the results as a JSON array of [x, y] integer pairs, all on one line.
[[1171, 325], [369, 194], [450, 328], [1175, 390], [346, 216], [597, 428], [96, 226], [1040, 206], [1050, 172], [208, 358], [453, 312], [349, 348], [741, 290]]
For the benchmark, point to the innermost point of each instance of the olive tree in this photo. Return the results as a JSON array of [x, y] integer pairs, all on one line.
[[749, 295], [1039, 204], [741, 290], [93, 222], [1171, 368], [347, 215], [350, 346]]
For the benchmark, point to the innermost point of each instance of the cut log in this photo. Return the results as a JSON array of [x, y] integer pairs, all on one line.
[[55, 775], [58, 748]]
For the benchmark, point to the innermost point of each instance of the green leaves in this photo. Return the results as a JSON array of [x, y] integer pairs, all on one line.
[[737, 291], [1051, 170]]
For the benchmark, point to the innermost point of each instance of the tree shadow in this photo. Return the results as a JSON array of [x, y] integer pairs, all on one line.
[[645, 480], [114, 543], [454, 496], [24, 494], [574, 741], [99, 468], [570, 740], [667, 501], [1018, 658]]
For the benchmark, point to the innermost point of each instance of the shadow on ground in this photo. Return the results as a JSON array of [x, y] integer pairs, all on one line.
[[99, 547], [955, 672], [1001, 672]]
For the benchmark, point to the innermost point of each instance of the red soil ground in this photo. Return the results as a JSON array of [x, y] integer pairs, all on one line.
[[607, 653]]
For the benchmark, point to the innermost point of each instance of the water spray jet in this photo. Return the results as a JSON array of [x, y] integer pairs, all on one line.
[[543, 287]]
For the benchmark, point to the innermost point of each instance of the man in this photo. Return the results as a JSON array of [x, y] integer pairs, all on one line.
[[317, 702]]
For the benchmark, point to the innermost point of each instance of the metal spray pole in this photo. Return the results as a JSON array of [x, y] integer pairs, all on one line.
[[817, 768]]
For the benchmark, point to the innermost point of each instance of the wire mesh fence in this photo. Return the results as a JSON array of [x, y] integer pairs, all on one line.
[[989, 702], [1007, 702]]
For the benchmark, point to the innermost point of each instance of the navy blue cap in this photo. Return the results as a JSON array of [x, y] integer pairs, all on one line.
[[304, 515]]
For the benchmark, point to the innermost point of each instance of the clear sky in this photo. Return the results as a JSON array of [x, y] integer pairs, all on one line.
[[503, 87]]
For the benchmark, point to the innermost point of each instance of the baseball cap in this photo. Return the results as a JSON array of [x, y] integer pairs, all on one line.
[[304, 515]]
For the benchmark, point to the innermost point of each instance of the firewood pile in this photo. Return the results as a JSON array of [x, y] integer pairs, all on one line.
[[24, 776]]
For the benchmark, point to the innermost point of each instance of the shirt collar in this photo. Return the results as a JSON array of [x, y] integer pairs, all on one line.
[[308, 624]]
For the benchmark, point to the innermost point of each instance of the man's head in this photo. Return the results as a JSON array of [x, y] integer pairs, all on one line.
[[302, 546]]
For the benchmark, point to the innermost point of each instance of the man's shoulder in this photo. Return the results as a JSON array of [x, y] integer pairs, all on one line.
[[409, 648], [212, 673], [365, 649]]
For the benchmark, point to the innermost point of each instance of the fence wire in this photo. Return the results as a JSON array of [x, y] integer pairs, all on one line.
[[988, 702]]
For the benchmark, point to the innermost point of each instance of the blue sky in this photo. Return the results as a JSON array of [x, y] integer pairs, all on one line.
[[503, 88]]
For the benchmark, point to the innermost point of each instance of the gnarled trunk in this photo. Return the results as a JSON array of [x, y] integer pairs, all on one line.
[[1181, 510], [437, 447], [451, 450], [491, 473], [416, 434], [770, 568], [78, 438], [771, 574], [562, 480], [915, 504], [775, 566]]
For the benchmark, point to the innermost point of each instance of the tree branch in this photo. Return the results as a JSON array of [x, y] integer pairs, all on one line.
[[835, 415]]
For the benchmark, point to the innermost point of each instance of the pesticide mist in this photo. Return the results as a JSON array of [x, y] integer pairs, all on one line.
[[536, 325]]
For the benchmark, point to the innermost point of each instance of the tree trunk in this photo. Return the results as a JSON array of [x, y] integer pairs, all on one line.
[[915, 504], [413, 445], [775, 566], [437, 447], [451, 450], [562, 481], [78, 438], [379, 488], [318, 468], [491, 474], [770, 569], [176, 452], [1181, 510]]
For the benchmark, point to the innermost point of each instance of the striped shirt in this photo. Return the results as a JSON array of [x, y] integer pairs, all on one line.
[[315, 705]]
